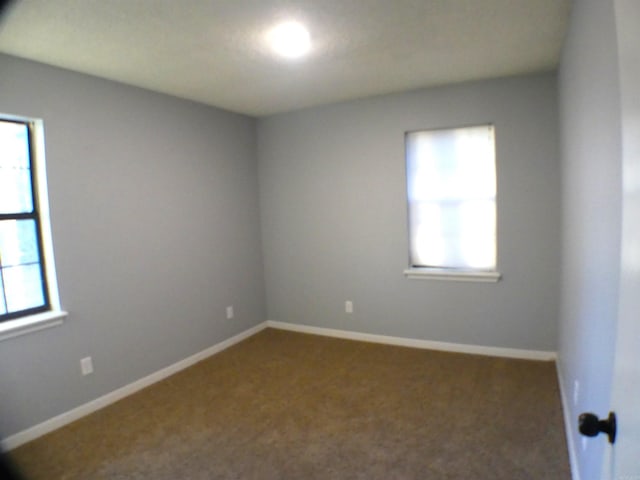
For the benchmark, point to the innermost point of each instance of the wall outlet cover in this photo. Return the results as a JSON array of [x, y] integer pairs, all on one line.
[[86, 365]]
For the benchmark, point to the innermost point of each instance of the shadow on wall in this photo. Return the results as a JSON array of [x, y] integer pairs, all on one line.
[[3, 6]]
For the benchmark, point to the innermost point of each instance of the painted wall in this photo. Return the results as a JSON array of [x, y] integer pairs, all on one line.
[[591, 158], [155, 220], [157, 227], [334, 226]]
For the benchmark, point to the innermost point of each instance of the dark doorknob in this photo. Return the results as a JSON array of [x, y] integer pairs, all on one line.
[[591, 426]]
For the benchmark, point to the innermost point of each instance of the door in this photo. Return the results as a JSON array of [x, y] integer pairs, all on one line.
[[623, 462]]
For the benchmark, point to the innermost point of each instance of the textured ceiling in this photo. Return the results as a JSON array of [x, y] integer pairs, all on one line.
[[213, 51]]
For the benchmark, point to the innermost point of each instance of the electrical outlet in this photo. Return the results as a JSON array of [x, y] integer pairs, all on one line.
[[230, 312], [348, 306], [86, 365]]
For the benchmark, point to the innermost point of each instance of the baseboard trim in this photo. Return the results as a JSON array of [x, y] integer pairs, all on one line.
[[416, 343], [568, 425], [63, 419]]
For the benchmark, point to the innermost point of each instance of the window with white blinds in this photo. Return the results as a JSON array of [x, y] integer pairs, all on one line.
[[451, 189]]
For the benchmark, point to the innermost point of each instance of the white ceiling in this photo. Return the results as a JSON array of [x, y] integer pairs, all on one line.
[[213, 51]]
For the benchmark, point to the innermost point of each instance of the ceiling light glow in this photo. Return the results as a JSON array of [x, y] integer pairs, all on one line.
[[290, 40]]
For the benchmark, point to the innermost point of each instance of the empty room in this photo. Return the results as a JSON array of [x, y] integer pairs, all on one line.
[[319, 240]]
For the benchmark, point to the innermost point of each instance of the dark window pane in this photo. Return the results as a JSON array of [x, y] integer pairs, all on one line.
[[18, 242], [23, 287]]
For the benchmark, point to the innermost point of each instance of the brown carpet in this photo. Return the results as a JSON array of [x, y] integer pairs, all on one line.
[[284, 405]]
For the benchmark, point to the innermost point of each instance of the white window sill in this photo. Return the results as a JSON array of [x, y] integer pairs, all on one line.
[[32, 323], [451, 275]]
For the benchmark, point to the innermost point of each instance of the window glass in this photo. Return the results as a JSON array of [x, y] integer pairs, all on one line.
[[22, 276], [15, 168], [23, 287], [451, 187]]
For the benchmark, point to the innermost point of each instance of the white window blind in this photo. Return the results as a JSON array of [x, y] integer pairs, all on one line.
[[451, 188]]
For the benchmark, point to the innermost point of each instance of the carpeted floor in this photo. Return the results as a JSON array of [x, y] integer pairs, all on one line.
[[284, 405]]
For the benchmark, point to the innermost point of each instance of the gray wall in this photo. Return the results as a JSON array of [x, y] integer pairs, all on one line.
[[333, 206], [157, 228], [591, 157], [154, 211]]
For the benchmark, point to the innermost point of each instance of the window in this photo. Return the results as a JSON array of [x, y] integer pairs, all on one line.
[[451, 189], [28, 293]]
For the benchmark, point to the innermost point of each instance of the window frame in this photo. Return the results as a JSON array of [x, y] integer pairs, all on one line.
[[464, 274], [50, 314], [35, 216]]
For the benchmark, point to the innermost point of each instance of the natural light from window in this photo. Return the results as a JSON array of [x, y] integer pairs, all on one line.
[[451, 188]]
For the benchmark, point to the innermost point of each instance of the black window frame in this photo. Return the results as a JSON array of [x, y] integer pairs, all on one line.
[[35, 216]]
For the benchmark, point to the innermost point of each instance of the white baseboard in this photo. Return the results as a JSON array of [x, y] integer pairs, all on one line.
[[569, 425], [83, 410], [415, 343]]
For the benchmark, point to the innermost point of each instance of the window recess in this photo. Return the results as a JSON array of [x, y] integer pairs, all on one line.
[[451, 194]]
